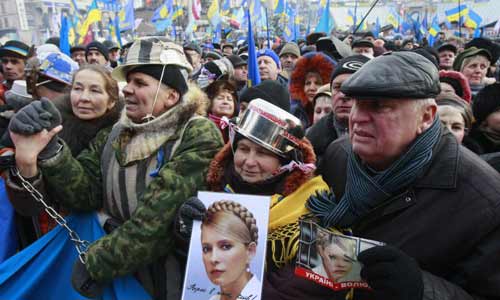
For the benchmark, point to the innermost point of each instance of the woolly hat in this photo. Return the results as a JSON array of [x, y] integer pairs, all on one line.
[[269, 90], [290, 48], [316, 62], [99, 47], [271, 54], [324, 90], [486, 102], [455, 101], [349, 65], [459, 83], [15, 49], [469, 52]]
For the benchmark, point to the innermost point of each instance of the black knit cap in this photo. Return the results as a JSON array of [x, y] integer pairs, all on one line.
[[97, 46], [172, 77], [268, 90], [349, 65], [486, 102]]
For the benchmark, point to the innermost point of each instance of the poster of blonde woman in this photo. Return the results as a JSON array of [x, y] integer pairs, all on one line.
[[227, 248], [330, 258]]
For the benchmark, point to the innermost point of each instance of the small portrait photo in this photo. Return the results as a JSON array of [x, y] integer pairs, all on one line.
[[337, 259], [330, 258], [227, 250]]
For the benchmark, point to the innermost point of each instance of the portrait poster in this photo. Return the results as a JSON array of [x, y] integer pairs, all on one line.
[[330, 259], [227, 250]]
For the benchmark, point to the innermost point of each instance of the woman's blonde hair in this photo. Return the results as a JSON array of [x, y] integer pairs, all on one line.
[[233, 219], [110, 84]]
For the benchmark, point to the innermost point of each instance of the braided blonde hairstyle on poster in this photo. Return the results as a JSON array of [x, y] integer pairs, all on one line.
[[222, 215]]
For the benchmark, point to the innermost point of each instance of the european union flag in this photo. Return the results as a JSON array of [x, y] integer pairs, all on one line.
[[253, 68]]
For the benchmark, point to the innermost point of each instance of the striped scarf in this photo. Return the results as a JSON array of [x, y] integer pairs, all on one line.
[[365, 191]]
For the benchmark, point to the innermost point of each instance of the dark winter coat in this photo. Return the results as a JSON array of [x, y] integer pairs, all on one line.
[[321, 134], [448, 220]]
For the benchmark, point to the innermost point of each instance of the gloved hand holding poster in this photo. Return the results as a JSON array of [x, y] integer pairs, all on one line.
[[227, 248], [330, 259]]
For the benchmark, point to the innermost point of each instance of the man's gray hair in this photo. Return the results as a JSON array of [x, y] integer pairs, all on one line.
[[420, 103]]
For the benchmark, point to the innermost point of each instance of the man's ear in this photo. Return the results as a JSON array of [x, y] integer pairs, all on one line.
[[428, 114], [173, 97]]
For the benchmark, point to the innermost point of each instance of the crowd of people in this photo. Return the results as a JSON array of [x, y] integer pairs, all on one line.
[[383, 139]]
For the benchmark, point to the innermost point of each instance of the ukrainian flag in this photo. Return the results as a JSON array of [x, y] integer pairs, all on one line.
[[473, 19], [177, 13], [93, 16], [453, 15]]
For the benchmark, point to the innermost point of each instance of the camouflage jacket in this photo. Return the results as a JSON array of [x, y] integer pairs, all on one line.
[[145, 234]]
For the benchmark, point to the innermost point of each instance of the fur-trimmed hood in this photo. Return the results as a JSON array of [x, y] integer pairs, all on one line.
[[311, 62], [292, 181], [458, 77]]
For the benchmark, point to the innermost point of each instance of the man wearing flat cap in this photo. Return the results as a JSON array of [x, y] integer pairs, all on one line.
[[402, 178], [364, 47], [447, 53]]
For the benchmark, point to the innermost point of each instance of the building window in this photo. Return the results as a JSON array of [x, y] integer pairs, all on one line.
[[2, 7], [6, 22]]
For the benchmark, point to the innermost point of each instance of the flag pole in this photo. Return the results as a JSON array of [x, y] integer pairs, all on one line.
[[267, 30], [359, 25], [459, 21]]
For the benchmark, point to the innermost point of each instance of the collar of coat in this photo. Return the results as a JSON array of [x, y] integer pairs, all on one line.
[[292, 182], [139, 141]]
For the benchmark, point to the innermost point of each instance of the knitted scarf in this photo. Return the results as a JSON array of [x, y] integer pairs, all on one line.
[[367, 190]]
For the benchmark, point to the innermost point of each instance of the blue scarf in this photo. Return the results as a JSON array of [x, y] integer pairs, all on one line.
[[366, 191]]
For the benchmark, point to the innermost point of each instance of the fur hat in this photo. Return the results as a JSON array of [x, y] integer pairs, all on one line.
[[311, 62], [459, 83]]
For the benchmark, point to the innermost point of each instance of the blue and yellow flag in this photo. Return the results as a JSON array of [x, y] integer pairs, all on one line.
[[433, 31], [94, 15], [164, 11], [213, 13], [454, 14], [253, 68], [64, 35], [473, 20], [324, 24], [127, 18]]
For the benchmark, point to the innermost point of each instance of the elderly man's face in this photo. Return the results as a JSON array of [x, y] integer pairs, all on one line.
[[382, 130], [267, 68]]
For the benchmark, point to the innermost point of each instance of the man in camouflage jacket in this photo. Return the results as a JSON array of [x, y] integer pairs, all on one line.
[[137, 175]]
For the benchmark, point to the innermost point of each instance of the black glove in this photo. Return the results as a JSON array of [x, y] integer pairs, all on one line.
[[83, 283], [35, 117], [391, 273], [191, 209]]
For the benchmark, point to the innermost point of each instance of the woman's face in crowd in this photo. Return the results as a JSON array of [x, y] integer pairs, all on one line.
[[322, 107], [336, 262], [453, 120], [493, 121], [225, 258], [254, 163], [223, 104], [89, 98], [311, 85], [476, 69]]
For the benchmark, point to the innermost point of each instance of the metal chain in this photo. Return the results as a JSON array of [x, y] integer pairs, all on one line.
[[80, 245]]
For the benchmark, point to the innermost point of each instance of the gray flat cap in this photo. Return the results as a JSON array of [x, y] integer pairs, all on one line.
[[394, 75]]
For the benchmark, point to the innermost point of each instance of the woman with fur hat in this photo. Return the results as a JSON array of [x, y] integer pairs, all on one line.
[[311, 72], [136, 174]]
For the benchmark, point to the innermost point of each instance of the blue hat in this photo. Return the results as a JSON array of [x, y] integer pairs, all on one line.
[[271, 54], [15, 49]]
